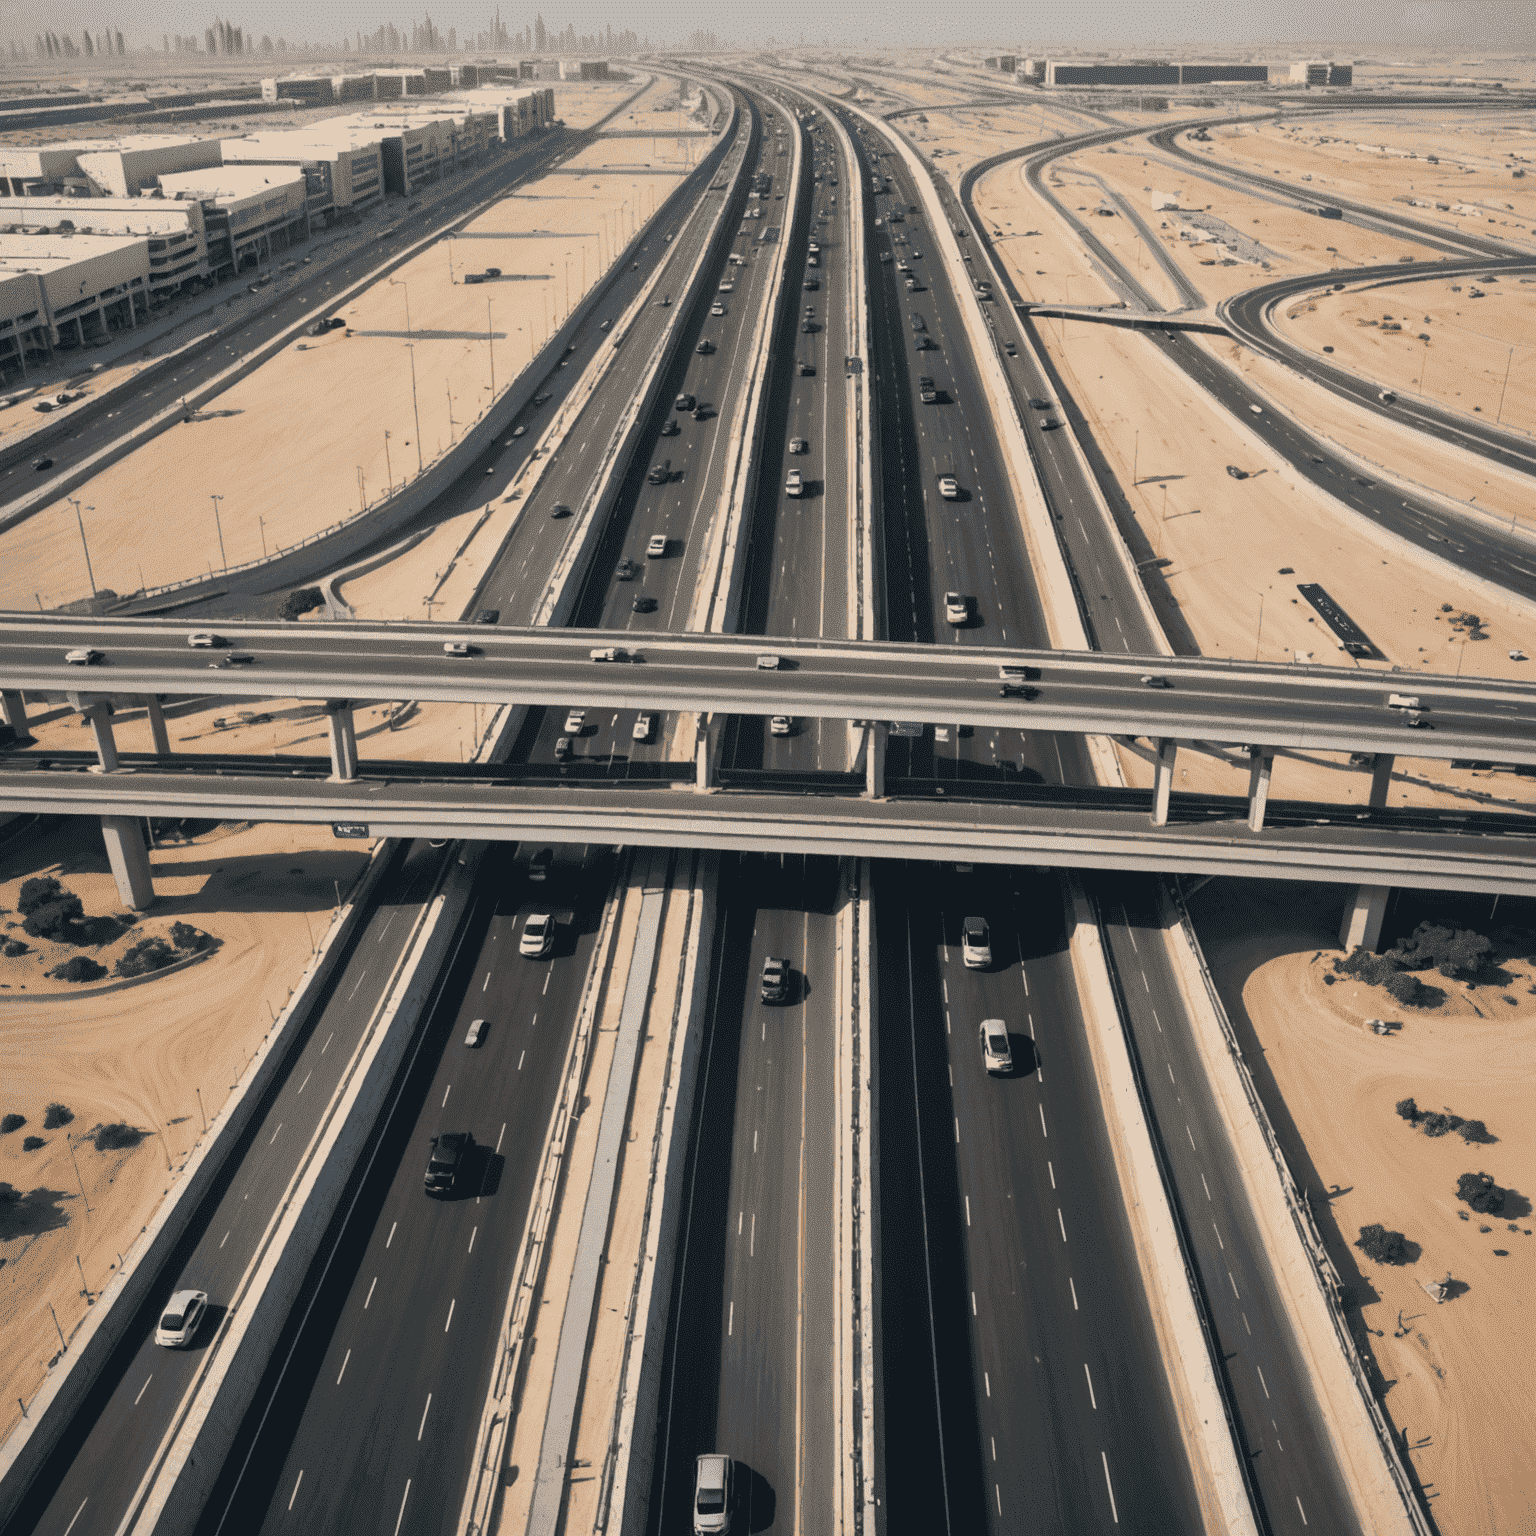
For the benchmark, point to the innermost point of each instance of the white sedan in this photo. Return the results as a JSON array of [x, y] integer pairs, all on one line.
[[949, 487]]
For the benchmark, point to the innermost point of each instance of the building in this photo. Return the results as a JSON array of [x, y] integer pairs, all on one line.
[[250, 211], [1314, 72], [101, 167], [34, 171], [178, 241], [307, 90], [62, 291], [343, 168], [1008, 63], [1218, 74], [1151, 72]]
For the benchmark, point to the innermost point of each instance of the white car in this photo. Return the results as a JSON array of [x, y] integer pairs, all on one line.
[[476, 1032], [949, 487], [644, 728], [726, 285], [204, 640], [608, 653], [179, 1322], [782, 725], [575, 722], [799, 445], [794, 483], [717, 308], [455, 648], [85, 657], [766, 663], [957, 607], [996, 1052], [538, 936], [656, 548], [975, 944]]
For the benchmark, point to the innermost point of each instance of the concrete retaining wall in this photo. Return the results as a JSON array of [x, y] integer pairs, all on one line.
[[187, 1467], [50, 1412]]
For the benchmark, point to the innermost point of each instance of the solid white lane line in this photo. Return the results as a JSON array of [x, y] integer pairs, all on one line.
[[369, 1296], [403, 1497], [1109, 1485], [453, 1302], [388, 1240], [1062, 1224], [144, 1388], [471, 1247], [83, 1502], [292, 1496], [1075, 1307], [1091, 1398], [343, 1371], [420, 1427]]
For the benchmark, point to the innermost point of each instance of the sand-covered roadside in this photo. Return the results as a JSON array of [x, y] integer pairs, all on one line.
[[307, 438], [1469, 344], [1453, 1378], [137, 1056]]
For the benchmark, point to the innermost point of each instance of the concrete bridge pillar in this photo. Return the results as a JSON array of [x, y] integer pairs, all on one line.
[[704, 753], [1381, 777], [100, 716], [129, 858], [343, 740], [875, 738], [1261, 764], [1162, 785], [157, 730], [13, 706], [1363, 917]]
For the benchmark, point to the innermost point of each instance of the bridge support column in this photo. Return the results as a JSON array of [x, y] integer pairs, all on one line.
[[157, 730], [1162, 785], [704, 754], [874, 761], [100, 716], [1381, 777], [343, 740], [13, 706], [1261, 764], [1363, 917], [124, 837]]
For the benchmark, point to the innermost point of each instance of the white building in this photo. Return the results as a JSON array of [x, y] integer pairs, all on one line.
[[343, 169], [250, 210], [66, 291], [178, 242]]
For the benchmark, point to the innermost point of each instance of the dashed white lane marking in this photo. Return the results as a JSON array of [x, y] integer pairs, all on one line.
[[973, 1303], [730, 1320], [957, 1130], [292, 1496], [503, 1132], [83, 1502], [1089, 1378], [1206, 1187], [1171, 1078], [225, 1238], [1304, 1520], [520, 1056], [422, 1426], [1104, 1456], [453, 1302], [1217, 1231], [369, 1296], [1075, 1306], [1062, 1224], [1043, 1130], [343, 1371], [1191, 1135], [1262, 1382], [305, 1083], [986, 1377], [274, 1133], [471, 1247], [446, 1092], [151, 1376], [967, 1210], [388, 1240], [1233, 1284], [1050, 1170], [403, 1497]]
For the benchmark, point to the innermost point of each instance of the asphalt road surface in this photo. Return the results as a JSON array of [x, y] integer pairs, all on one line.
[[88, 1485], [368, 1417]]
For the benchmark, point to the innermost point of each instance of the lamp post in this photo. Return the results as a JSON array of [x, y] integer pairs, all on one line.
[[400, 282], [219, 524], [263, 523], [83, 545], [389, 473], [410, 347], [490, 341], [1498, 419]]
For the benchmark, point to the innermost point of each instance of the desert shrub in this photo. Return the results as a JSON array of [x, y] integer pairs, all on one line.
[[115, 1137], [31, 1143], [302, 600], [79, 968], [9, 1123], [14, 947], [55, 1116], [1411, 992], [1382, 1246], [1367, 966], [1480, 1192], [38, 892], [1408, 1110], [58, 919], [1472, 1131], [1451, 951], [145, 957], [9, 1194], [1439, 1125], [193, 940]]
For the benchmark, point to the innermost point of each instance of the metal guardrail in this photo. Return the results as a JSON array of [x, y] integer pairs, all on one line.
[[1327, 1277]]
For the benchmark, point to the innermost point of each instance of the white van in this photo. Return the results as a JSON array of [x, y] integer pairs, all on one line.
[[712, 1496]]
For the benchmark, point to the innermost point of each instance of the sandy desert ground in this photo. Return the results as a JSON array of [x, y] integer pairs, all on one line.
[[138, 1055], [1453, 1378], [150, 518]]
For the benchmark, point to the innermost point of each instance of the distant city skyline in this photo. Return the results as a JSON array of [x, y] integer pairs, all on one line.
[[1272, 28]]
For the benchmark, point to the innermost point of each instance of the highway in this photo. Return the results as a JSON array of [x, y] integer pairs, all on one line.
[[89, 1484], [368, 1416]]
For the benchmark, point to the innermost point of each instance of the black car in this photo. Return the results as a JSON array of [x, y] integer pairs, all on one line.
[[450, 1152], [702, 412], [705, 348], [488, 616], [809, 327], [684, 402], [671, 429], [660, 473], [559, 510], [775, 979], [43, 463], [643, 605]]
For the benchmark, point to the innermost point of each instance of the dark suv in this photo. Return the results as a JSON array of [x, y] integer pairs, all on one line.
[[775, 988], [450, 1152]]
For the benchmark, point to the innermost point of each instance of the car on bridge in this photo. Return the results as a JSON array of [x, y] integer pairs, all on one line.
[[626, 570], [660, 473], [684, 402], [457, 649], [656, 547], [643, 605], [794, 483], [949, 488], [774, 983], [799, 445], [996, 1052], [976, 944], [670, 428], [488, 616], [781, 725], [538, 936], [204, 640], [644, 728], [179, 1323], [705, 348], [958, 607], [559, 509], [450, 1153], [717, 308], [575, 722]]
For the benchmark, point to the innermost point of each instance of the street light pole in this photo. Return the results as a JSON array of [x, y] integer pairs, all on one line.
[[1498, 419], [388, 472], [83, 545], [490, 341], [410, 347], [219, 524]]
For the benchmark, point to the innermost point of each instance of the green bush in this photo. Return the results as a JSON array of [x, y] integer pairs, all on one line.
[[9, 1123], [1382, 1246], [116, 1137], [302, 600], [79, 968], [1480, 1192], [146, 957], [55, 1116]]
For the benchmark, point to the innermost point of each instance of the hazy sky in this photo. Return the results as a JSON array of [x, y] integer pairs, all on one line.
[[1269, 27]]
